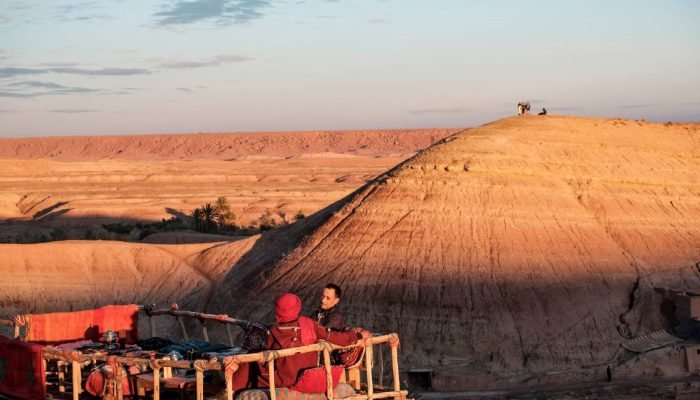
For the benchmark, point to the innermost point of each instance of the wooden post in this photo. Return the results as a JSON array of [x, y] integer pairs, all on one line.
[[229, 387], [368, 367], [152, 323], [329, 375], [230, 336], [61, 369], [182, 328], [77, 379], [381, 366], [354, 377], [118, 381], [395, 368], [200, 384], [156, 383], [271, 371], [167, 371]]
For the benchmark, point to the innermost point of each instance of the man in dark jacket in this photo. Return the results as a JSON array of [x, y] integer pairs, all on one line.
[[328, 313]]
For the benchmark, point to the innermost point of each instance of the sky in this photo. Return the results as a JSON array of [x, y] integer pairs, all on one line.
[[187, 66]]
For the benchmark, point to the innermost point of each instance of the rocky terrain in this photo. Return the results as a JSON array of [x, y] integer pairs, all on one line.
[[72, 184], [524, 251]]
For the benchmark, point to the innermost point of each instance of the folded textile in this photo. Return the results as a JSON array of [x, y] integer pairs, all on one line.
[[154, 343], [62, 327], [22, 372]]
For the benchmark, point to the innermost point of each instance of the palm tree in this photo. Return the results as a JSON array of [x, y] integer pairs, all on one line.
[[197, 219], [227, 217], [210, 217]]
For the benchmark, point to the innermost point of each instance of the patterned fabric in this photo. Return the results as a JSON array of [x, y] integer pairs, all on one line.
[[342, 390]]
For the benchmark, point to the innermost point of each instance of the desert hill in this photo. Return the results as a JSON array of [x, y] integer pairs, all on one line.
[[505, 254], [527, 245]]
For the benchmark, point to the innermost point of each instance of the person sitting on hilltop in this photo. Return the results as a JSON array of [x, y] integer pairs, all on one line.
[[523, 108], [291, 330], [543, 112], [328, 313]]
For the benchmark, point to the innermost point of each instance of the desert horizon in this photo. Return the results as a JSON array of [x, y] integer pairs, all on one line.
[[567, 217]]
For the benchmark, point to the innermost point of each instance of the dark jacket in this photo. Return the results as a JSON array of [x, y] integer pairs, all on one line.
[[331, 319]]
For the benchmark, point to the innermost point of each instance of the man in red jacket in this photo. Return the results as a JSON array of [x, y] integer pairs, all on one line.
[[291, 330]]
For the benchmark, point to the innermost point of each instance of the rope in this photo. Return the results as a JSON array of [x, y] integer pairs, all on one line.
[[19, 320], [155, 364], [72, 355], [394, 341], [148, 308], [325, 345], [231, 365], [201, 365], [222, 317]]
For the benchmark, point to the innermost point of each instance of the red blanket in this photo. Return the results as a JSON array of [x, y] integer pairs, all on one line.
[[56, 328], [22, 372]]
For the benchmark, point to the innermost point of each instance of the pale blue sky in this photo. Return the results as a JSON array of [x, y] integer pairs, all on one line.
[[174, 66]]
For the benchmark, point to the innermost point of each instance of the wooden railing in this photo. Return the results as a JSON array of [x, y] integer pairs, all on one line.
[[202, 317], [230, 364]]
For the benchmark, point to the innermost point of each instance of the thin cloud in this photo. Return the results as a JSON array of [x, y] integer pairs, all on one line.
[[37, 84], [58, 64], [17, 95], [91, 17], [76, 12], [10, 72], [211, 62], [632, 106], [73, 111], [77, 7], [24, 89], [182, 12], [455, 110]]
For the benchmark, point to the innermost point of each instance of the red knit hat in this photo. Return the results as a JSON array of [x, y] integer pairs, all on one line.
[[287, 308]]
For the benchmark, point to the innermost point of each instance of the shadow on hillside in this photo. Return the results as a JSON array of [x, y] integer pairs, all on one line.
[[53, 223], [48, 211]]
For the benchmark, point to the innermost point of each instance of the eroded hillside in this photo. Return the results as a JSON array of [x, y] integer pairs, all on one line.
[[529, 244]]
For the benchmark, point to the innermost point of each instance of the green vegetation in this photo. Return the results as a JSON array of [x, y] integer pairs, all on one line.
[[217, 217]]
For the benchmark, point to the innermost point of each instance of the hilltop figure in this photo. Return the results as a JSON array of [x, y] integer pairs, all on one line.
[[543, 112], [523, 108]]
